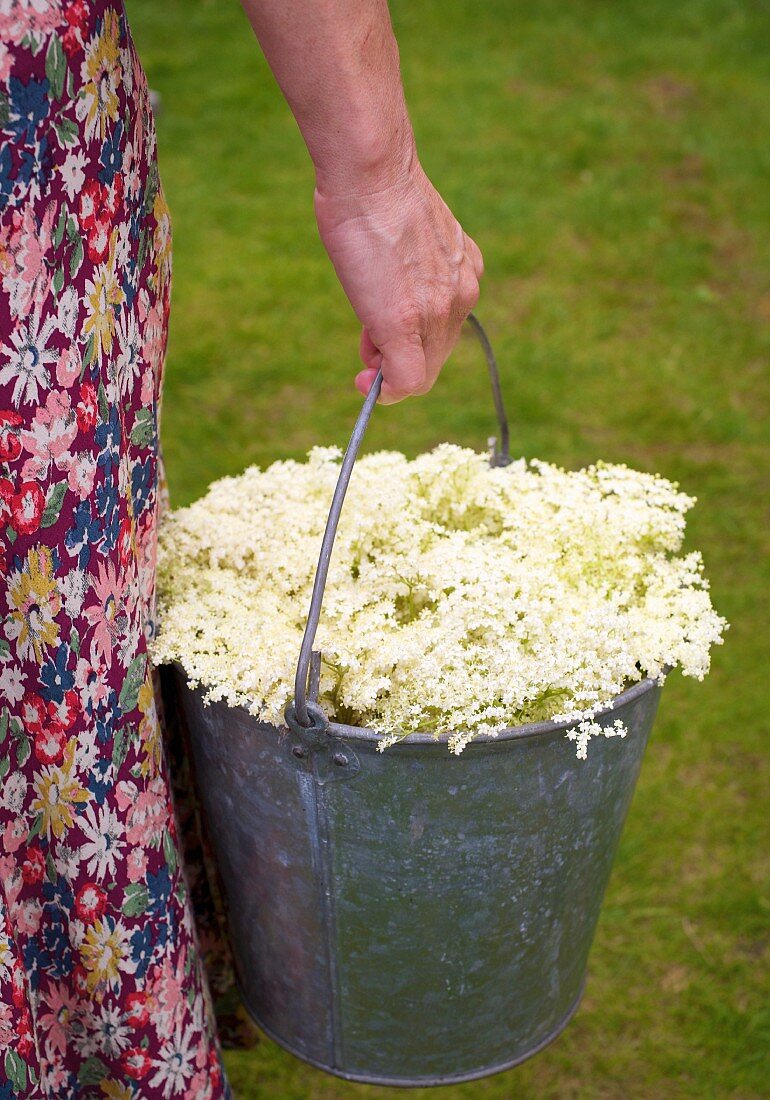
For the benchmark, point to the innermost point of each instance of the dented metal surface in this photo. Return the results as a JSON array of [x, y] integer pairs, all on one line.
[[412, 917]]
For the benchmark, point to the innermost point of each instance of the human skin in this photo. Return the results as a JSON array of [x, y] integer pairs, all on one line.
[[409, 270]]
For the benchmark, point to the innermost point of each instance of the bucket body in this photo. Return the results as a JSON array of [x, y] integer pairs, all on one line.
[[412, 917]]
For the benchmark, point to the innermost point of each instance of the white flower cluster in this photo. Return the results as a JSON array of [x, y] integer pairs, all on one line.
[[461, 598], [582, 733]]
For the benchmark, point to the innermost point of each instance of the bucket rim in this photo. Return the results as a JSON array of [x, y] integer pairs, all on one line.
[[512, 733], [365, 735]]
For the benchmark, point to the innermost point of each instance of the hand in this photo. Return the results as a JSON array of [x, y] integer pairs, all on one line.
[[410, 273]]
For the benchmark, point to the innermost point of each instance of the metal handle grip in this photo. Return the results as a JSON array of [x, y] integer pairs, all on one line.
[[307, 713]]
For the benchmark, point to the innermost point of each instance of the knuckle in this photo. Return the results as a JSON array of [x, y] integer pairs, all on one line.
[[468, 289], [475, 257]]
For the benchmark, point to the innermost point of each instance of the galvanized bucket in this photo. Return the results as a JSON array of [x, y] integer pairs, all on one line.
[[410, 917]]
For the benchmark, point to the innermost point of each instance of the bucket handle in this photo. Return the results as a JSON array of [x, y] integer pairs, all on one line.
[[304, 711]]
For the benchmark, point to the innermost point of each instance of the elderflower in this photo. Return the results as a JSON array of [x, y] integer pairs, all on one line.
[[462, 599], [585, 730]]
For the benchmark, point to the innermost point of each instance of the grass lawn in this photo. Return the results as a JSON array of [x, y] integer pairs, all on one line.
[[611, 159]]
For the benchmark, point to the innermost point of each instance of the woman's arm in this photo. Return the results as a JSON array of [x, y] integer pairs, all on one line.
[[406, 265]]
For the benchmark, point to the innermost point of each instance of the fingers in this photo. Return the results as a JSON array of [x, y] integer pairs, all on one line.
[[371, 356], [445, 326], [473, 251], [412, 276], [411, 361], [404, 372], [443, 322]]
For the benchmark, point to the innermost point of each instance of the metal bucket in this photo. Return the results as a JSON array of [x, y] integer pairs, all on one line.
[[412, 917], [409, 917]]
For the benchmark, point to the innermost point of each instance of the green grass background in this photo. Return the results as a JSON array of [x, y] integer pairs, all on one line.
[[611, 157]]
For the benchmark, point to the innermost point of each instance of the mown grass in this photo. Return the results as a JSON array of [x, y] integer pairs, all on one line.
[[611, 159]]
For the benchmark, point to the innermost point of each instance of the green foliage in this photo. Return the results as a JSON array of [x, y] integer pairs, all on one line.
[[56, 67], [53, 504], [608, 158], [135, 676], [92, 1071], [16, 1070], [143, 431], [137, 899]]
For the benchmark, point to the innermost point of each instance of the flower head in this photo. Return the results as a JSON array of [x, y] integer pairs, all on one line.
[[35, 602], [461, 599]]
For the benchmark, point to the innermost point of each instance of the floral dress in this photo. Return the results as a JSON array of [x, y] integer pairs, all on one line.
[[102, 991]]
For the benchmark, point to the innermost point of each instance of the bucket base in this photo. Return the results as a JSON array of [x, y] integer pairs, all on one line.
[[417, 1082]]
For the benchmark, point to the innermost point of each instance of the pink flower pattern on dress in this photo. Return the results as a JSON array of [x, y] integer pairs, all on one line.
[[102, 987]]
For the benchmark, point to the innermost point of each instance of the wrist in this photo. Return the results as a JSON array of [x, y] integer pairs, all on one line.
[[374, 163]]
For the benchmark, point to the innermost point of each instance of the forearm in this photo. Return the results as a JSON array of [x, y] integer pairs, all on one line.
[[337, 64], [409, 270]]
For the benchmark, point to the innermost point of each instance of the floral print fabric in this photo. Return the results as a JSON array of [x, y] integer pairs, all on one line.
[[102, 992]]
